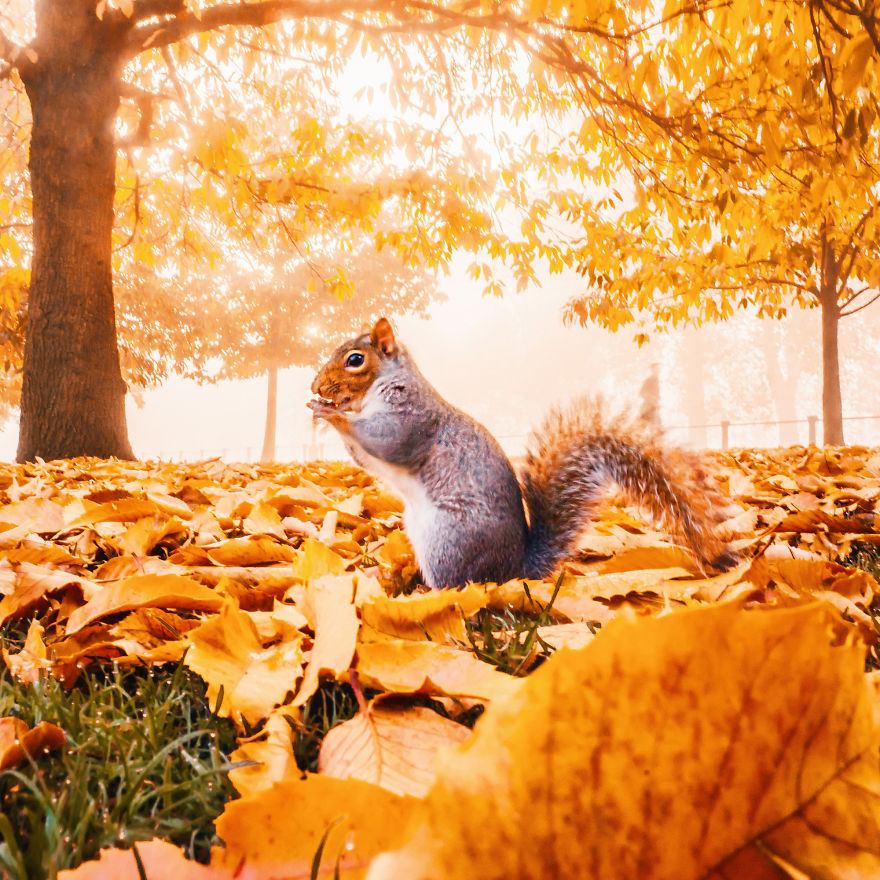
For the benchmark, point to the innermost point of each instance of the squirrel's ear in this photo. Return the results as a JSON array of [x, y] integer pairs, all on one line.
[[382, 337]]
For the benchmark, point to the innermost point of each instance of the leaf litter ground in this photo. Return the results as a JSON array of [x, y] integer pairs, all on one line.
[[262, 626]]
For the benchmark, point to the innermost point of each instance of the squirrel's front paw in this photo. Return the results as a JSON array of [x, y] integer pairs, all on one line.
[[325, 409]]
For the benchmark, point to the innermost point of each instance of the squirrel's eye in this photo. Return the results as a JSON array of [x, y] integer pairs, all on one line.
[[354, 361]]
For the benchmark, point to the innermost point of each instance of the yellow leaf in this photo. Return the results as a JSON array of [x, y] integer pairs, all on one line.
[[155, 858], [267, 760], [124, 510], [854, 60], [226, 651], [747, 738], [276, 832], [18, 741], [253, 550], [145, 591], [391, 744], [423, 667], [331, 608], [317, 560], [438, 615]]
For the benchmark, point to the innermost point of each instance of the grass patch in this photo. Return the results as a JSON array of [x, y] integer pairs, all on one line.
[[509, 639], [330, 705], [145, 757]]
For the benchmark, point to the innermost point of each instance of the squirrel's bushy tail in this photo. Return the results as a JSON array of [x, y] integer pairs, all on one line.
[[576, 454]]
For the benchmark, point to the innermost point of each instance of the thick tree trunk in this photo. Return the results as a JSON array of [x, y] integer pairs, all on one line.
[[832, 408], [268, 453], [73, 396]]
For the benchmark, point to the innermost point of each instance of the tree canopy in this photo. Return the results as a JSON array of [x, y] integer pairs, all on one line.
[[766, 197]]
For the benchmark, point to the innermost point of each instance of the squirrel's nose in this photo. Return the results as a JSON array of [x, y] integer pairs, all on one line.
[[316, 384]]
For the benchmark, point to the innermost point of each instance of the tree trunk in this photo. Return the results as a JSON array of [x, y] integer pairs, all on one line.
[[268, 453], [73, 396], [832, 408]]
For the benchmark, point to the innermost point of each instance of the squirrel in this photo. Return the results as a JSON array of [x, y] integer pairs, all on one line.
[[467, 516]]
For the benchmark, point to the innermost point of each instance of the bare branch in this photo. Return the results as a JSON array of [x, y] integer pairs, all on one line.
[[864, 305]]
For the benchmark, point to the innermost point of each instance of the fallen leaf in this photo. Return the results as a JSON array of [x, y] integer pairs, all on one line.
[[747, 738], [158, 858], [391, 744], [226, 651], [271, 840], [144, 591], [264, 520], [124, 510], [268, 759], [332, 611], [317, 560], [423, 667], [253, 550], [438, 616], [18, 741], [32, 584], [33, 659]]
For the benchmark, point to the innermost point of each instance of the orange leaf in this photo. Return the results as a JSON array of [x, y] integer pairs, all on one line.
[[253, 550], [123, 510], [159, 859], [226, 651], [391, 744], [423, 667], [145, 591], [276, 832], [17, 741], [336, 627]]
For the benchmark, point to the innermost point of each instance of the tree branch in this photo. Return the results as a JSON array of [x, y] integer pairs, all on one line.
[[185, 23], [864, 305], [144, 9]]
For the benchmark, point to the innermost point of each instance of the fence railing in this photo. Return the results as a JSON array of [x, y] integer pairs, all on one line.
[[811, 423], [718, 435]]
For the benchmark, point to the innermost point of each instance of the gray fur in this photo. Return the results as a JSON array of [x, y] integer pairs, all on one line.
[[464, 508], [478, 526]]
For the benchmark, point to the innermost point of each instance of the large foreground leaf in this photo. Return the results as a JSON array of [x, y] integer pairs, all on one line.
[[710, 743]]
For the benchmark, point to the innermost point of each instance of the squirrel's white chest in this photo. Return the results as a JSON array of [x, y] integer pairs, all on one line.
[[419, 510]]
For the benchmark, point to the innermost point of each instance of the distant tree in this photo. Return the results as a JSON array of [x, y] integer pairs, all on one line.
[[102, 76], [767, 197], [249, 322]]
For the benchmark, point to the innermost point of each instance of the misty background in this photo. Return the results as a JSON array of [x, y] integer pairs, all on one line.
[[506, 360]]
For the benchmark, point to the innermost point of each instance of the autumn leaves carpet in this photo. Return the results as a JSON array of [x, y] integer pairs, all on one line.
[[684, 727]]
